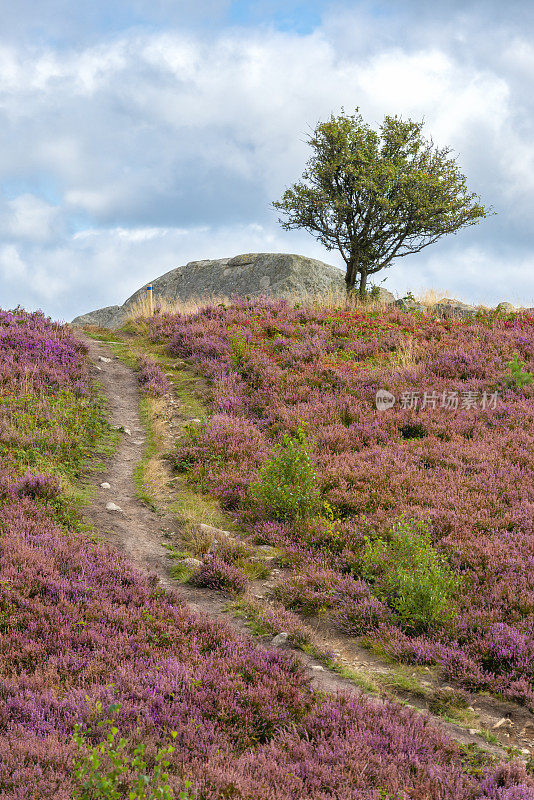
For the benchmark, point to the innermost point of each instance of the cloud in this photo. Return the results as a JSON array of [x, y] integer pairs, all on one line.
[[28, 218], [164, 146]]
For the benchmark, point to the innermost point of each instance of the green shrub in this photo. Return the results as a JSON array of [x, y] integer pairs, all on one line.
[[287, 486], [111, 770], [240, 350], [410, 575], [517, 374]]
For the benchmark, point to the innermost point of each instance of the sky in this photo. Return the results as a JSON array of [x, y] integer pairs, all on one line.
[[137, 136]]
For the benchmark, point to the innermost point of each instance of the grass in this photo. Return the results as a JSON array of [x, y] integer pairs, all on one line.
[[150, 476], [181, 572], [405, 356], [142, 308], [193, 508]]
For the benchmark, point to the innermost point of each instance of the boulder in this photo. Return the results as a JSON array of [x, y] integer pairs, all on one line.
[[281, 639], [383, 296], [506, 308], [453, 309], [191, 563], [251, 274], [102, 317], [409, 305]]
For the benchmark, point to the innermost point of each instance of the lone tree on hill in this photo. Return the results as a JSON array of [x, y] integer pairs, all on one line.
[[377, 196]]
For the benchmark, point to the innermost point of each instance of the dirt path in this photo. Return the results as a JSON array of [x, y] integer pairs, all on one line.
[[141, 533]]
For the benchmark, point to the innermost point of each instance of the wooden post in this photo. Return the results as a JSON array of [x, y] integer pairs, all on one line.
[[150, 300]]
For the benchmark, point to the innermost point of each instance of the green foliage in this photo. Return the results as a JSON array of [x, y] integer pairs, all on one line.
[[181, 572], [374, 292], [112, 770], [50, 429], [240, 352], [411, 576], [327, 529], [377, 196], [287, 487], [517, 374], [447, 703]]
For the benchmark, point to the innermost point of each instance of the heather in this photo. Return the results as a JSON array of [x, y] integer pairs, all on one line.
[[101, 670], [217, 574], [151, 377], [294, 388]]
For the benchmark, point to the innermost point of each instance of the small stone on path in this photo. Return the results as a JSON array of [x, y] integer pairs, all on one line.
[[503, 722], [105, 485], [211, 531], [192, 563], [113, 507], [104, 359], [280, 639]]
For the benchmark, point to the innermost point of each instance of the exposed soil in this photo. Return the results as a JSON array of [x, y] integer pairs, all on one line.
[[141, 534]]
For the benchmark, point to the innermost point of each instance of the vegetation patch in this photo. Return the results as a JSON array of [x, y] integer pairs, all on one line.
[[297, 452], [112, 688]]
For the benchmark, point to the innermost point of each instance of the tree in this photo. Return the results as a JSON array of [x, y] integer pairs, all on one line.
[[377, 196]]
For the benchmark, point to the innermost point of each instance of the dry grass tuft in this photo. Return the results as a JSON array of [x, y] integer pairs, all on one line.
[[157, 407], [429, 297], [406, 355], [197, 542], [335, 299], [156, 476], [141, 309], [332, 300]]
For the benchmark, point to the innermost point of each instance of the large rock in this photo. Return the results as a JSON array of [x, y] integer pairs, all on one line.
[[405, 304], [103, 317], [454, 309], [383, 296], [506, 308], [252, 274]]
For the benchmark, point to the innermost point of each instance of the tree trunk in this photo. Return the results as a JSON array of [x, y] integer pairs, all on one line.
[[350, 276], [363, 284]]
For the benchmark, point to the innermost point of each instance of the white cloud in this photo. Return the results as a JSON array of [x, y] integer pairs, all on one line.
[[30, 219], [12, 267]]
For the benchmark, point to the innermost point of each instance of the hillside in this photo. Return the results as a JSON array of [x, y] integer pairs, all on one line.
[[441, 483], [248, 274], [87, 637]]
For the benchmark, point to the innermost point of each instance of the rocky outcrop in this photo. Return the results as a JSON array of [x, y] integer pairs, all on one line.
[[102, 317], [454, 309], [251, 274], [383, 296], [406, 304], [506, 308]]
